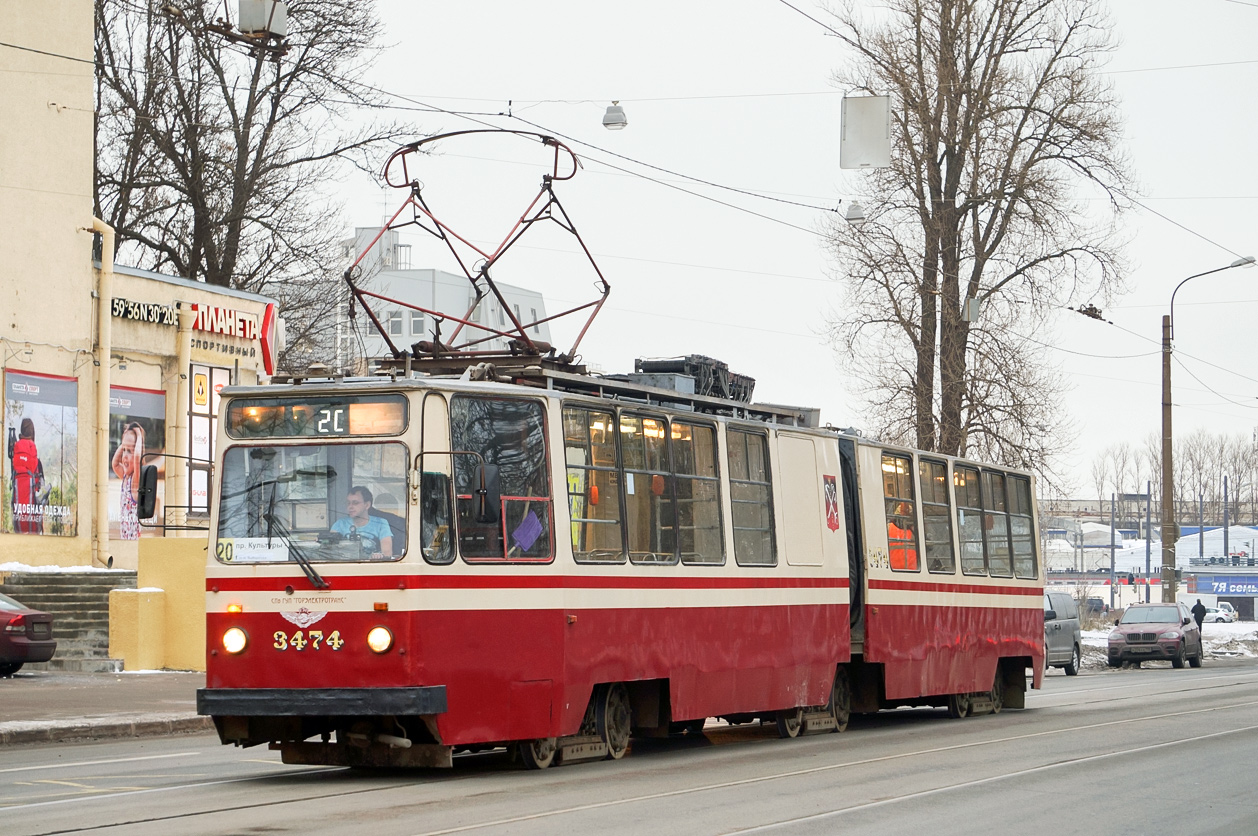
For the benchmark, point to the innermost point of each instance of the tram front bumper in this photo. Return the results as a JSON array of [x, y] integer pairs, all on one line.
[[321, 702]]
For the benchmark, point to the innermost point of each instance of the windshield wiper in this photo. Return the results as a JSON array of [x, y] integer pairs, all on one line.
[[269, 516], [297, 554]]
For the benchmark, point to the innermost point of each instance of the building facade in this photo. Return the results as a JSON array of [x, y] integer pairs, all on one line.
[[103, 368]]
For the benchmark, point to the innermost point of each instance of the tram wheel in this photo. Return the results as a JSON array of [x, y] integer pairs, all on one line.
[[998, 691], [958, 705], [539, 753], [841, 700], [790, 722], [613, 718]]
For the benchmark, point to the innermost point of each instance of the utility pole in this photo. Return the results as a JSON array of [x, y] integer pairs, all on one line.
[[1148, 540], [1112, 580]]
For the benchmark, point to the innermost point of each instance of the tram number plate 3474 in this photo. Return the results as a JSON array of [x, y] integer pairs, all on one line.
[[313, 639]]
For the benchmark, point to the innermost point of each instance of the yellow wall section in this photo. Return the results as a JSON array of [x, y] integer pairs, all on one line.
[[161, 625]]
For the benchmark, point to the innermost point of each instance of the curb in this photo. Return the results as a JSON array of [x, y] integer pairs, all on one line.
[[16, 734]]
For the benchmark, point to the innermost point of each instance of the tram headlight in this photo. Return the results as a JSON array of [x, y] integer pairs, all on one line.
[[234, 640], [380, 639]]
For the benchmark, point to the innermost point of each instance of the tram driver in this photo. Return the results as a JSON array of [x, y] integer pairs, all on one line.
[[374, 533]]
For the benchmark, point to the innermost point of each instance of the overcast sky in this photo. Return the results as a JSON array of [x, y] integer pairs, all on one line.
[[739, 94]]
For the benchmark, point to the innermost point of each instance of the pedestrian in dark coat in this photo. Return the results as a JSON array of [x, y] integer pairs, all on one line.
[[1199, 613]]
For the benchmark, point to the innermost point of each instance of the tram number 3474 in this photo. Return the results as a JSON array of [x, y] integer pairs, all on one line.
[[315, 640]]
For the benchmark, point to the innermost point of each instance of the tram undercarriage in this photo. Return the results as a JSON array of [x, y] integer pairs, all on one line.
[[615, 713]]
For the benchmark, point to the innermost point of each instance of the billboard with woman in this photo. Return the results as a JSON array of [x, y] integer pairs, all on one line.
[[137, 431]]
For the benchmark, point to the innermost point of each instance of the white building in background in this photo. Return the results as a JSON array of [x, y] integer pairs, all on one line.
[[387, 270]]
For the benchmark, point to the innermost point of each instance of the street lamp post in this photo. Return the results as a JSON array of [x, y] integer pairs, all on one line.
[[1168, 476]]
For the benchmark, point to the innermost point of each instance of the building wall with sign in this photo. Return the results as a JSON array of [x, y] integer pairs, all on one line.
[[54, 379], [224, 346]]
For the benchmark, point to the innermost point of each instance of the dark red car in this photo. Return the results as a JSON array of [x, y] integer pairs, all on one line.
[[25, 636], [1156, 631]]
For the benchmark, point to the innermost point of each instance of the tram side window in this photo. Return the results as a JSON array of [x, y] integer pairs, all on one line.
[[650, 508], [510, 435], [1024, 564], [699, 536], [897, 492], [970, 520], [751, 493], [593, 485], [937, 517], [999, 551]]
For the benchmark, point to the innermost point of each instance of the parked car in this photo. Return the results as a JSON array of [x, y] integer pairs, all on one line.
[[1215, 614], [1062, 641], [1094, 606], [1230, 610], [1156, 631], [25, 636]]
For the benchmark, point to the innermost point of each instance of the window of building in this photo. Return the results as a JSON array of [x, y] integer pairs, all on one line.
[[509, 434], [751, 498], [897, 492], [516, 308], [1021, 528], [537, 329], [699, 535], [417, 323], [394, 323], [969, 520], [594, 482], [936, 516], [650, 505]]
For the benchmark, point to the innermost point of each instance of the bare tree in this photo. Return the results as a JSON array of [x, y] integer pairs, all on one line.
[[1101, 476], [213, 159], [999, 120], [1122, 461], [1151, 457]]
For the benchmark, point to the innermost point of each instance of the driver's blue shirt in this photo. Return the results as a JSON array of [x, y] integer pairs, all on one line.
[[370, 534]]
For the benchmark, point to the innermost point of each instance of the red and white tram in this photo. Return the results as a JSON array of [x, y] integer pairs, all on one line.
[[401, 569]]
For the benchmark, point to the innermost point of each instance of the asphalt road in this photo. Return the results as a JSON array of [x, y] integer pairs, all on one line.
[[1151, 751]]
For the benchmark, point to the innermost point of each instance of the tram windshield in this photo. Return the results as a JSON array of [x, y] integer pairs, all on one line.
[[313, 502]]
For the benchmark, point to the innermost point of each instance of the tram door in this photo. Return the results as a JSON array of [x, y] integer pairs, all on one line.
[[855, 544]]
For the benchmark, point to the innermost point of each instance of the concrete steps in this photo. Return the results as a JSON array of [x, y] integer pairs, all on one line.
[[79, 603]]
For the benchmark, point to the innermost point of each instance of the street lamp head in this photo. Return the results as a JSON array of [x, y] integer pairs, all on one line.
[[1246, 261], [614, 119]]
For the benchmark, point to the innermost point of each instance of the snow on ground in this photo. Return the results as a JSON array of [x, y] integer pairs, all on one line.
[[22, 567]]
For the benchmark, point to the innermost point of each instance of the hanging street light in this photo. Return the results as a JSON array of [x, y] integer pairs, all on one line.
[[614, 119]]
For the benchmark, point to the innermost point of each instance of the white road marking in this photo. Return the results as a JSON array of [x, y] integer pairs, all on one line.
[[98, 763], [165, 789]]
